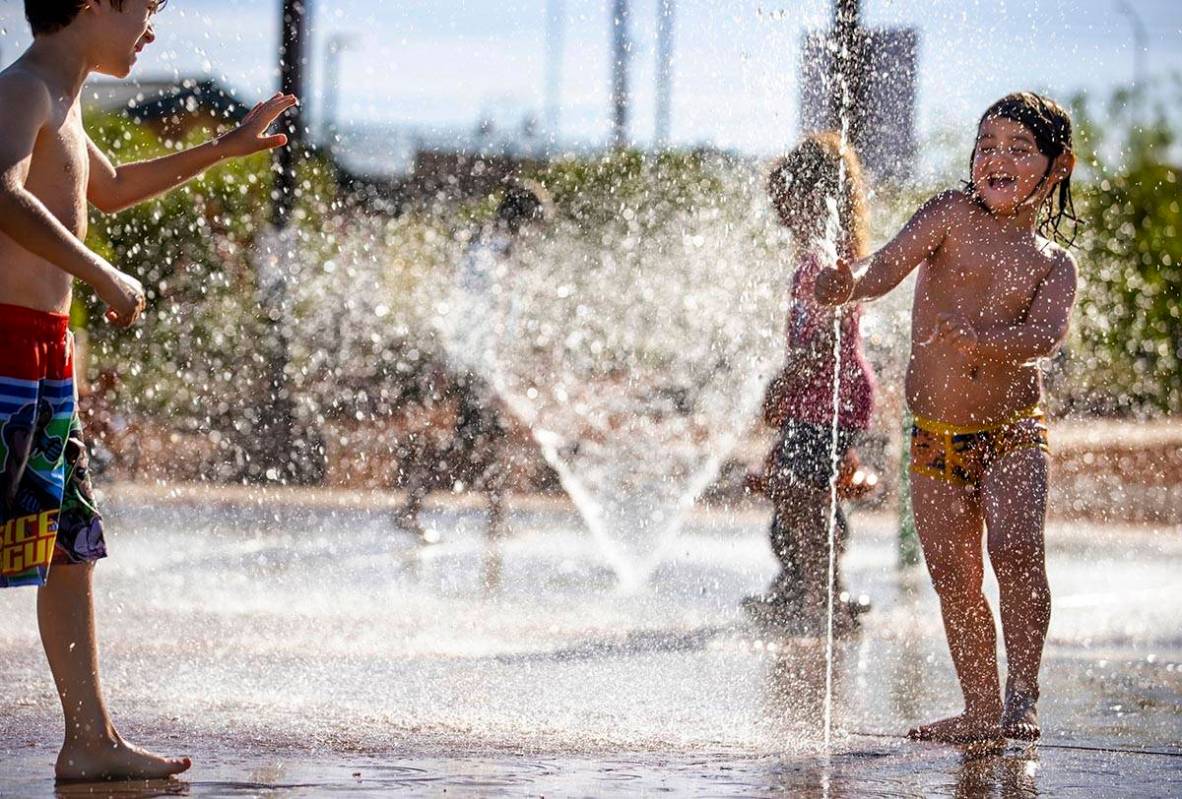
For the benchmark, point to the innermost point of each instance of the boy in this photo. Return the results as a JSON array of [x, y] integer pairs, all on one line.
[[993, 297], [49, 168]]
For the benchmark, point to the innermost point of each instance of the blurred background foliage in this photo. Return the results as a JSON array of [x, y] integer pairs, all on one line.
[[1127, 339], [192, 361]]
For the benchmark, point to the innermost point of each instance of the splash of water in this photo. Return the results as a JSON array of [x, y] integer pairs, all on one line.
[[636, 356], [832, 236]]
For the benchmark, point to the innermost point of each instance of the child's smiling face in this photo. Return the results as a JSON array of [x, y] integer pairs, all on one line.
[[1007, 166]]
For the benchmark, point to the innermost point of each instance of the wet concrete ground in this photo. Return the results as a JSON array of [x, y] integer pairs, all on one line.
[[308, 652]]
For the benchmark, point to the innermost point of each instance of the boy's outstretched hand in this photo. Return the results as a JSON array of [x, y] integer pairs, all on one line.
[[835, 286], [248, 138]]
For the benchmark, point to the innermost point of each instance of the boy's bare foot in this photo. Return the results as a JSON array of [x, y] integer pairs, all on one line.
[[114, 760], [1019, 720], [964, 728]]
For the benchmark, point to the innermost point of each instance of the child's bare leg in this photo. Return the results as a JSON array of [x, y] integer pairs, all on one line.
[[93, 749], [804, 518], [493, 560], [949, 521], [1015, 502], [408, 514], [494, 490]]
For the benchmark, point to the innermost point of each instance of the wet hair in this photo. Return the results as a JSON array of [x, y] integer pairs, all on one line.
[[811, 172], [523, 202], [50, 16], [1050, 124]]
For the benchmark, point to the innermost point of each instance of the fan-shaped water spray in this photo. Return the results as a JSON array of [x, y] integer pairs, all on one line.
[[637, 357]]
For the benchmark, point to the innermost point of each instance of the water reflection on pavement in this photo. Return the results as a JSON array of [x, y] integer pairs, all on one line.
[[321, 651]]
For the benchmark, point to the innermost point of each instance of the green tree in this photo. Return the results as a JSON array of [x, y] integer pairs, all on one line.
[[1127, 341], [193, 358]]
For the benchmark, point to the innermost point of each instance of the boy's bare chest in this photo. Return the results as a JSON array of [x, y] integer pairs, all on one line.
[[990, 284], [60, 171]]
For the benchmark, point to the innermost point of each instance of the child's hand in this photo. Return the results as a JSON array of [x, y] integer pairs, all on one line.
[[955, 329], [835, 286], [248, 137], [124, 297]]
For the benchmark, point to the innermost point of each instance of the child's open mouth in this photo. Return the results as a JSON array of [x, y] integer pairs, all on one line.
[[1001, 182]]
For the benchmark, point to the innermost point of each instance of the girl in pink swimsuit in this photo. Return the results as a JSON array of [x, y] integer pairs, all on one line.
[[799, 402]]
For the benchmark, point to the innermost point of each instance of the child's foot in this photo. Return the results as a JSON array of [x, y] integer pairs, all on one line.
[[794, 615], [114, 760], [784, 614], [961, 729], [408, 519], [1019, 720]]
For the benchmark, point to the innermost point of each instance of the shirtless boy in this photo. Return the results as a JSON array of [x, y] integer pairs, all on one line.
[[993, 297], [49, 170]]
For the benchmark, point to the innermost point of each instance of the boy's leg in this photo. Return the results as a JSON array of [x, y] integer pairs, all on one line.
[[949, 522], [93, 749], [1015, 501]]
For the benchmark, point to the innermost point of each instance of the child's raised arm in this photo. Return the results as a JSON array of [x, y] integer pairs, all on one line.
[[24, 218], [114, 188], [873, 277], [1036, 336]]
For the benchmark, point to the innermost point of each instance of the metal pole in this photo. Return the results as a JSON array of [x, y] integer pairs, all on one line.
[[665, 10], [621, 55], [293, 30], [273, 443], [555, 45]]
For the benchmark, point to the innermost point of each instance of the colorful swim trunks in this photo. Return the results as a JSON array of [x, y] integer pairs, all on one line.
[[961, 455], [47, 509]]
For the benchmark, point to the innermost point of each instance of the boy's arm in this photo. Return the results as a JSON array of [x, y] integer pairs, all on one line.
[[873, 277], [26, 220], [1037, 336], [114, 188]]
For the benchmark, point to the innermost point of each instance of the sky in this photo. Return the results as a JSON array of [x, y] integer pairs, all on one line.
[[444, 64]]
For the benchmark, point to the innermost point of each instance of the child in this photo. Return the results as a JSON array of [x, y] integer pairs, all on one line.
[[992, 298], [49, 169], [478, 436], [800, 400]]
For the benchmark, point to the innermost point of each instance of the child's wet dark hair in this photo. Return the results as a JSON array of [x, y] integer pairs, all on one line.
[[50, 16], [1050, 124]]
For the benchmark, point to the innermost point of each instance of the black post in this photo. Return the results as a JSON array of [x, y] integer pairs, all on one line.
[[291, 81], [276, 455]]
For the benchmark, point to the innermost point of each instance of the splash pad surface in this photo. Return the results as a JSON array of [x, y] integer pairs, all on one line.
[[300, 648]]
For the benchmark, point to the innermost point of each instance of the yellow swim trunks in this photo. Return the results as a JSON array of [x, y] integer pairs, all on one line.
[[961, 455]]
